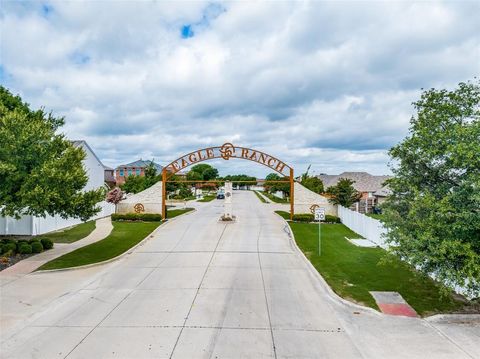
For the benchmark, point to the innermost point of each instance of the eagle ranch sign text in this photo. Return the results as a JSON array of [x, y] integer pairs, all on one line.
[[226, 152]]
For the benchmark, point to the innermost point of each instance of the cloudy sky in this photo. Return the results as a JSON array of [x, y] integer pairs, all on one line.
[[322, 83]]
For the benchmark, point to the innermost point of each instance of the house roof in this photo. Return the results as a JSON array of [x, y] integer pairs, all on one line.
[[83, 143], [364, 181], [142, 164]]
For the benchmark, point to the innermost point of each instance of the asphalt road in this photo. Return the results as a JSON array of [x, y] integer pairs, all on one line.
[[203, 289]]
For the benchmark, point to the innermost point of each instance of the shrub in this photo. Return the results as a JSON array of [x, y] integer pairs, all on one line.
[[10, 246], [25, 248], [146, 217], [1, 248], [46, 243], [332, 219], [37, 247], [303, 217], [20, 243]]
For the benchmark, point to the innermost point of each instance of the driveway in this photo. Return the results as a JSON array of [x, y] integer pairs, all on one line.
[[203, 289]]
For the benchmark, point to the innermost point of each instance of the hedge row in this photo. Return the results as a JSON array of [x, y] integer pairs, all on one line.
[[308, 217], [145, 217], [10, 247]]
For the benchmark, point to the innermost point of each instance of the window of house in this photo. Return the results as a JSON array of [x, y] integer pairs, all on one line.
[[137, 171], [370, 194], [129, 171], [122, 173]]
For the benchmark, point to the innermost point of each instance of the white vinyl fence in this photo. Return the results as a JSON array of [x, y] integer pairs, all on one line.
[[367, 227], [31, 226]]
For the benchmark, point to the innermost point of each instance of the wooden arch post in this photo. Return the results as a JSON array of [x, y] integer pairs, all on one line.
[[227, 151]]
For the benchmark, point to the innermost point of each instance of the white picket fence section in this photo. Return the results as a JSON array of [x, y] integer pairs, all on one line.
[[367, 227], [31, 225]]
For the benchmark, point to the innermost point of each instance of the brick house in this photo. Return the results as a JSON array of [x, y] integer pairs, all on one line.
[[136, 168], [370, 186]]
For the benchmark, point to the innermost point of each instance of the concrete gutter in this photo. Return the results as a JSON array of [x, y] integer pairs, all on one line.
[[130, 250], [323, 283]]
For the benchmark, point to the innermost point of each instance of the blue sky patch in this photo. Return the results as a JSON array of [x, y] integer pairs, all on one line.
[[47, 9], [187, 31], [79, 58]]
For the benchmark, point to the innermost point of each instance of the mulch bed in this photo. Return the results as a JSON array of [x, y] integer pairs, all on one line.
[[13, 260]]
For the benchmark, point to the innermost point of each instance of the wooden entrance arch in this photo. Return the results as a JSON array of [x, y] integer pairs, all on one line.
[[226, 152]]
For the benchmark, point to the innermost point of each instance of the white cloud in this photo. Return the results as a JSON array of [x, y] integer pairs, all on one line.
[[327, 83]]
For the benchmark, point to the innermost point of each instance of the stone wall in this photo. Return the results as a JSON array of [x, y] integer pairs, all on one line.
[[151, 199], [304, 199]]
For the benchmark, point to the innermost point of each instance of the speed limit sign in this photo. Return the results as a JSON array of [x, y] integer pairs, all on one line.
[[319, 214]]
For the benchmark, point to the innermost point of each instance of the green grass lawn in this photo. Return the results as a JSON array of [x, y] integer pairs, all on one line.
[[353, 271], [72, 234], [275, 199], [123, 237], [172, 213], [207, 198], [260, 197]]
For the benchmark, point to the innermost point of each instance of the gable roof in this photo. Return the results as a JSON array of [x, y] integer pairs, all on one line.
[[84, 144], [142, 164], [364, 181]]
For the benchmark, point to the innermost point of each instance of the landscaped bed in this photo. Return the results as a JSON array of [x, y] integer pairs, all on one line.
[[353, 271], [13, 249], [127, 232]]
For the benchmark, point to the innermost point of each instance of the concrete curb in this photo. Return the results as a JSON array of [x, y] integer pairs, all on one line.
[[334, 296], [130, 250], [445, 318]]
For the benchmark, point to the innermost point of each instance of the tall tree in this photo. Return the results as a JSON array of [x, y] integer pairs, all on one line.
[[314, 184], [203, 172], [433, 215], [343, 193], [41, 172]]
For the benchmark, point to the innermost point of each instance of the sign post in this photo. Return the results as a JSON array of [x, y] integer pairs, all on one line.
[[319, 216]]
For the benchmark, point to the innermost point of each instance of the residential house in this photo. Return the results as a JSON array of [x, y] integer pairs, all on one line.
[[136, 168], [109, 174], [371, 187], [31, 225]]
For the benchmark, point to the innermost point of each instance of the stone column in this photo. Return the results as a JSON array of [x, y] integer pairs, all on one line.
[[228, 200]]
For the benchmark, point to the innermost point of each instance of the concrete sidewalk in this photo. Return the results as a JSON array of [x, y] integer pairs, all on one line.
[[103, 227]]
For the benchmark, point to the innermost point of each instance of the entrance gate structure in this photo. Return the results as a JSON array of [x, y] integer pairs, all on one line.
[[226, 152]]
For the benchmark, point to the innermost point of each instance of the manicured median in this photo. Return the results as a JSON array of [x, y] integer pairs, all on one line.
[[207, 198], [353, 271], [275, 198], [125, 235], [260, 197], [73, 234]]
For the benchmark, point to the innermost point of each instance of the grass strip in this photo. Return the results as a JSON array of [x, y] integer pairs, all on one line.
[[73, 234], [275, 198], [207, 198], [123, 237], [260, 197], [172, 213], [353, 271]]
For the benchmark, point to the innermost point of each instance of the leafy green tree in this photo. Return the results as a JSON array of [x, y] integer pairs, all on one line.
[[271, 184], [133, 184], [202, 172], [343, 193], [314, 184], [41, 172], [433, 214]]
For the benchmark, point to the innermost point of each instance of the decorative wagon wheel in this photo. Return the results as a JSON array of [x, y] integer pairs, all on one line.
[[139, 208]]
